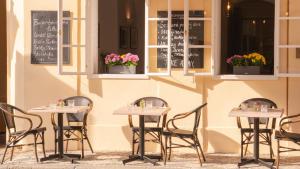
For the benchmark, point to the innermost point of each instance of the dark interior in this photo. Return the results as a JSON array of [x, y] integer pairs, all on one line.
[[3, 71], [247, 27], [121, 30]]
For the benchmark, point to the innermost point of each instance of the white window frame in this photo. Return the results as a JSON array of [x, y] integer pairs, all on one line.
[[60, 44], [281, 46], [92, 46], [217, 47], [187, 46], [147, 46]]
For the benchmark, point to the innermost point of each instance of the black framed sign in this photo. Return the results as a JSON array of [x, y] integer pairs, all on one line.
[[44, 37], [196, 37]]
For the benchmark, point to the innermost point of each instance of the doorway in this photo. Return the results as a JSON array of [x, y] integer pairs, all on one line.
[[3, 68]]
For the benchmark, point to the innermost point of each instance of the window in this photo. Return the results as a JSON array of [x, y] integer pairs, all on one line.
[[76, 42], [180, 35], [288, 63], [247, 26], [120, 30]]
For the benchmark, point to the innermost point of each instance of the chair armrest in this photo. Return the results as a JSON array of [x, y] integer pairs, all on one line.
[[38, 116], [30, 114], [23, 134], [53, 120], [177, 117], [286, 121]]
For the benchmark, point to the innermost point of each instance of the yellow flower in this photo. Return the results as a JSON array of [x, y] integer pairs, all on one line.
[[122, 56]]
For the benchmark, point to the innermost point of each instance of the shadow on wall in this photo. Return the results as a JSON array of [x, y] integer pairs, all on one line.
[[202, 89], [95, 86], [222, 143], [150, 146]]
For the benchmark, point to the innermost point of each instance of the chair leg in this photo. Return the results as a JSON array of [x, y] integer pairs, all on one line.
[[6, 147], [82, 145], [201, 150], [12, 152], [89, 143], [278, 156], [55, 142], [170, 147], [67, 145], [196, 148], [138, 149], [133, 142], [43, 144], [35, 149], [248, 139], [242, 146], [161, 146], [270, 144], [166, 150]]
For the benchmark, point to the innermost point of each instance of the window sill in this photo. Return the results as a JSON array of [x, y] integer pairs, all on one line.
[[245, 77], [118, 76]]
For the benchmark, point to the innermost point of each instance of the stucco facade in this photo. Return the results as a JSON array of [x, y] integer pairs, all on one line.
[[35, 85]]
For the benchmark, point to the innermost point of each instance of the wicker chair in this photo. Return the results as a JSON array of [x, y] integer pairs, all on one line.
[[76, 129], [285, 135], [188, 136], [265, 132], [10, 113], [153, 124]]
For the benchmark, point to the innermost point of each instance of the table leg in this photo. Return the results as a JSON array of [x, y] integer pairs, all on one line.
[[142, 136], [256, 159], [61, 155], [141, 155], [256, 139], [60, 135]]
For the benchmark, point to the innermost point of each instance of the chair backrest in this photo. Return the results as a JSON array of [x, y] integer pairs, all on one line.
[[8, 112], [157, 102], [198, 112], [79, 101], [260, 101]]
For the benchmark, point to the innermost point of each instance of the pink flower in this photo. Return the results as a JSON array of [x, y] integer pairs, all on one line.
[[126, 59]]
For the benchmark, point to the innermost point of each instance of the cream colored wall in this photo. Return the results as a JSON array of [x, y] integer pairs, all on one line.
[[35, 85]]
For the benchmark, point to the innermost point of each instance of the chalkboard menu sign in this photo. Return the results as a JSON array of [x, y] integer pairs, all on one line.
[[44, 37], [196, 37]]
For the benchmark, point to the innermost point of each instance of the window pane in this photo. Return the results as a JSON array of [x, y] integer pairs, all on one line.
[[76, 32], [199, 60], [154, 6], [158, 60], [202, 5], [289, 8], [289, 32], [76, 61], [199, 32], [77, 8], [289, 61], [158, 32]]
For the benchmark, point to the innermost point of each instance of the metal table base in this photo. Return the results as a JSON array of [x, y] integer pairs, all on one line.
[[61, 155], [141, 156], [256, 159]]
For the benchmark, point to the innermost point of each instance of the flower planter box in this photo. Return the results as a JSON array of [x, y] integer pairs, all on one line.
[[120, 69], [246, 70]]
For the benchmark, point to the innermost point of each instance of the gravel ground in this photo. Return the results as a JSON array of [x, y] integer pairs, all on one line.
[[109, 160]]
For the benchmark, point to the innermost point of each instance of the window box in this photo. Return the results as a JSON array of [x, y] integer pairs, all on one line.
[[246, 70], [122, 69]]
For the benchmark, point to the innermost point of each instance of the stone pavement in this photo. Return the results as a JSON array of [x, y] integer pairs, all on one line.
[[26, 160]]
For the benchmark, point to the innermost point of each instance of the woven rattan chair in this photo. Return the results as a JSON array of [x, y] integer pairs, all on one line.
[[284, 135], [76, 129], [265, 131], [190, 137], [153, 124], [10, 113]]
